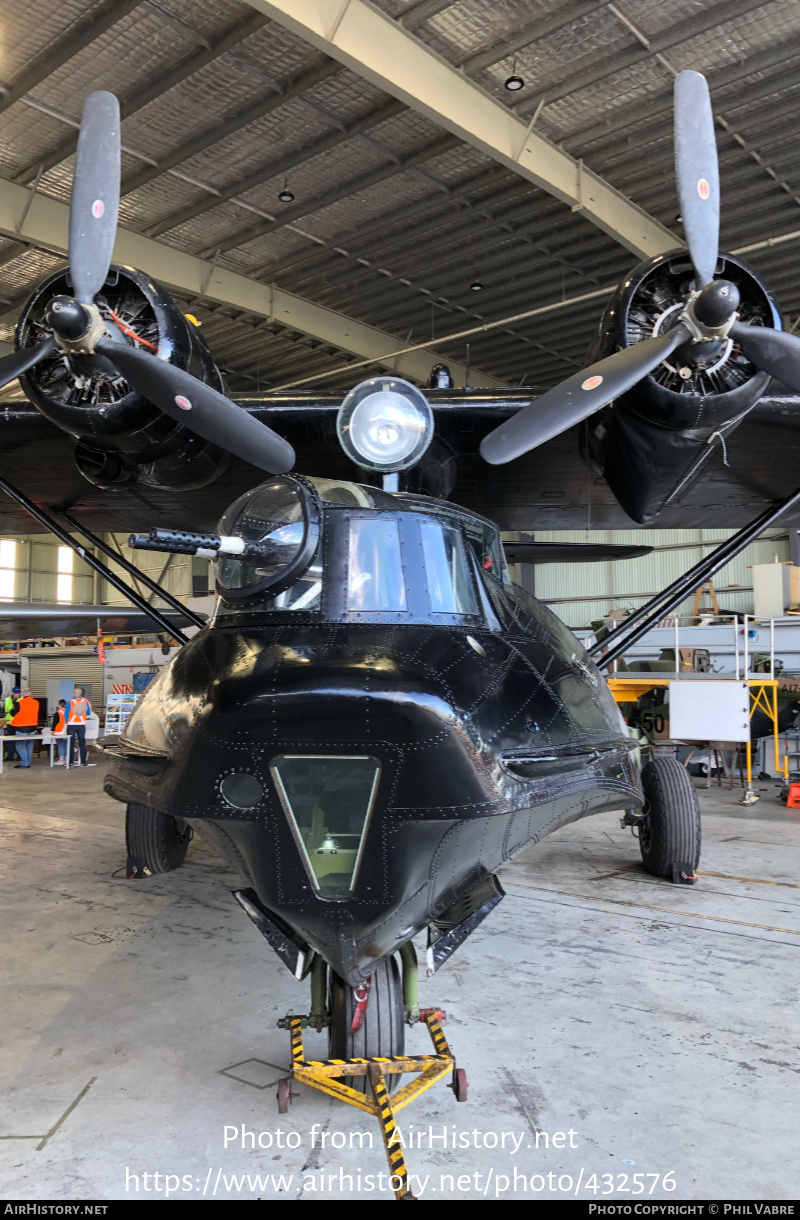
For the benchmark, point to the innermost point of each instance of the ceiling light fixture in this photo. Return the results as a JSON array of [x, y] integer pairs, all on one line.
[[286, 195], [476, 286], [514, 82]]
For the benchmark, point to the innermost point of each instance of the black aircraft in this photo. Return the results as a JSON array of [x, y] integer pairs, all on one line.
[[375, 721], [377, 718]]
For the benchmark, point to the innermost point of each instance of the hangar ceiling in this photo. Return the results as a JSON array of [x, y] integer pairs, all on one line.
[[401, 199]]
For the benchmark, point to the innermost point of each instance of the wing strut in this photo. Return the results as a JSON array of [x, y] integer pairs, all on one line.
[[47, 521], [132, 570]]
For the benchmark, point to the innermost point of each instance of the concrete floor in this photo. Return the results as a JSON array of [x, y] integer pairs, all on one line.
[[657, 1024]]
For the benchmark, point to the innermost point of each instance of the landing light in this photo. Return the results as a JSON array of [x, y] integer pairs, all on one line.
[[385, 424]]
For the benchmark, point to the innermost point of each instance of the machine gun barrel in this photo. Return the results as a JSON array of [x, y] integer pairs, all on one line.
[[177, 542], [184, 542]]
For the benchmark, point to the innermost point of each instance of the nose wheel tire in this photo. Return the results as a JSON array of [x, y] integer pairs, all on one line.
[[157, 839], [382, 1034], [669, 832]]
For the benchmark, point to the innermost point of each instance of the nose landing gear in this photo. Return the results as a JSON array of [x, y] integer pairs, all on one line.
[[365, 1082]]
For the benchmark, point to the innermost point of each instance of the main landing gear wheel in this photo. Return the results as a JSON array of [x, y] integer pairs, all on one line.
[[382, 1034], [157, 839], [669, 832]]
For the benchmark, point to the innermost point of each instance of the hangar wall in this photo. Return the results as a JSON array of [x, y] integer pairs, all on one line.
[[580, 592], [37, 571]]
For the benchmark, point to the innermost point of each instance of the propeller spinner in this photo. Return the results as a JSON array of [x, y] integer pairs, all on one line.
[[79, 327], [707, 320]]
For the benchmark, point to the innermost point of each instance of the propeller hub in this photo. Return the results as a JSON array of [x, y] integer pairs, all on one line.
[[717, 303], [76, 327], [710, 313], [69, 319]]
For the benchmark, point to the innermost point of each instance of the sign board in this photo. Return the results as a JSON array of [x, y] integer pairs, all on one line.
[[118, 709], [709, 710]]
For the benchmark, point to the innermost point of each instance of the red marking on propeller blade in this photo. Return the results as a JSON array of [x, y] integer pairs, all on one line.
[[703, 189], [591, 383], [98, 208], [183, 403]]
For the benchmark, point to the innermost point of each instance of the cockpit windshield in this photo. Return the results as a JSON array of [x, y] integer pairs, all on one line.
[[485, 542], [449, 585], [376, 581]]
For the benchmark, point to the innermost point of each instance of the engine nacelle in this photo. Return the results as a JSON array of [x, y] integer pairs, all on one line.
[[121, 437], [654, 438]]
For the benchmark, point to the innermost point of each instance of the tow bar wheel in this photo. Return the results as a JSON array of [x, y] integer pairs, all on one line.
[[669, 831], [284, 1096], [460, 1085]]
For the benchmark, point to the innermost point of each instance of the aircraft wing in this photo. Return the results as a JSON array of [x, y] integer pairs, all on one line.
[[25, 620], [570, 552], [550, 488]]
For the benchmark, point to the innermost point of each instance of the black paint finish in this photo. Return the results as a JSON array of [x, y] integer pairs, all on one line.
[[439, 700]]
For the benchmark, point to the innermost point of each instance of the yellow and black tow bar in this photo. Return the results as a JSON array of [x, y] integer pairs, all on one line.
[[325, 1075]]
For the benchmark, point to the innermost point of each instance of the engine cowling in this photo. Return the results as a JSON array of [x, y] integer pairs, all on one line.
[[654, 438], [121, 437]]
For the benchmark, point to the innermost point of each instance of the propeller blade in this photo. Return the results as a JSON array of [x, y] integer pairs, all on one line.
[[19, 362], [578, 397], [697, 172], [200, 408], [774, 351], [95, 196]]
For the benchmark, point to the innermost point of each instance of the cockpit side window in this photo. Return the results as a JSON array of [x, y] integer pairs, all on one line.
[[449, 586], [375, 579], [488, 549]]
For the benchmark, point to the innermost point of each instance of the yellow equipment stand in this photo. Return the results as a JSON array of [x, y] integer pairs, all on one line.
[[763, 697], [325, 1074]]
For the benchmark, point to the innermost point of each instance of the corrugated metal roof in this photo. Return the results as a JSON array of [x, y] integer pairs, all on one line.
[[394, 243]]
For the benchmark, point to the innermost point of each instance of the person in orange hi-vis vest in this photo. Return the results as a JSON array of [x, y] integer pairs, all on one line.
[[76, 712], [24, 721], [58, 727]]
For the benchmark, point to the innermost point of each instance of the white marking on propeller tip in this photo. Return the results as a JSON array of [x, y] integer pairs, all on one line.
[[703, 189], [183, 403], [591, 383], [98, 208]]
